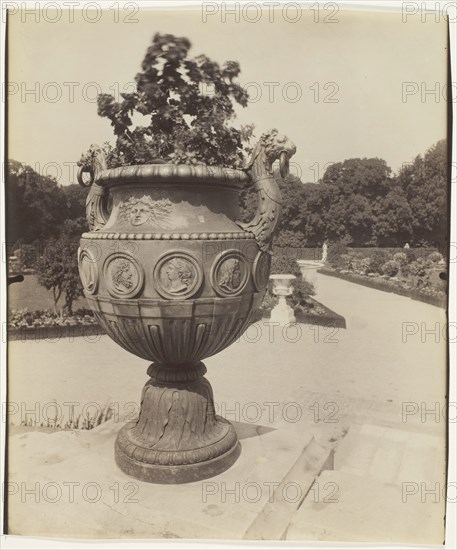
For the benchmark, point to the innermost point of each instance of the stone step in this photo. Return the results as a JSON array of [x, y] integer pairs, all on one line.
[[272, 522], [391, 455], [387, 486], [347, 507]]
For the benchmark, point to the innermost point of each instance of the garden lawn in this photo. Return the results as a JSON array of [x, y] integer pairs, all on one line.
[[31, 295]]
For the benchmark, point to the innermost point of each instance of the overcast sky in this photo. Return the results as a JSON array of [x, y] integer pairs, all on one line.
[[337, 89]]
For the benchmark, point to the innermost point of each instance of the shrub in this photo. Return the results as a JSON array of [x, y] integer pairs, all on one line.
[[57, 270], [410, 257], [401, 259], [27, 255], [420, 270], [268, 303], [335, 251], [347, 261], [377, 260], [302, 290], [281, 264], [390, 268], [435, 257], [363, 266]]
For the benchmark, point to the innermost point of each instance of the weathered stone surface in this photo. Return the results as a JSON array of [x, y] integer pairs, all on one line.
[[176, 305]]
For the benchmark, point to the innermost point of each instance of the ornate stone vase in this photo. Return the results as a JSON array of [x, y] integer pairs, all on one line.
[[174, 278], [282, 287]]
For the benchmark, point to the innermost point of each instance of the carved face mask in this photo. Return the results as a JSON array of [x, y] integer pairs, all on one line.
[[139, 214]]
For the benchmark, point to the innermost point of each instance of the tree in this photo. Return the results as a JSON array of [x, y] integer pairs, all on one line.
[[57, 270], [359, 202], [73, 201], [392, 225], [188, 103], [38, 209], [314, 210], [355, 187], [425, 185], [33, 205], [367, 177]]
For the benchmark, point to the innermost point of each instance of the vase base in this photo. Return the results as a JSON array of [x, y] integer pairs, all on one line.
[[173, 474]]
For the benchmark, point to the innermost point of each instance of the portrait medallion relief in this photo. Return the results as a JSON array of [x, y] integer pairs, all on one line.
[[229, 273], [123, 275], [177, 275], [139, 211], [261, 270], [88, 270]]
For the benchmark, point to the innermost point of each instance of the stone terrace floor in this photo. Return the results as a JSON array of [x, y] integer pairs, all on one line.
[[364, 391]]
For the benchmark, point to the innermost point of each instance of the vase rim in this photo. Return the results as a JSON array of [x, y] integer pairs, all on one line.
[[173, 173], [282, 276]]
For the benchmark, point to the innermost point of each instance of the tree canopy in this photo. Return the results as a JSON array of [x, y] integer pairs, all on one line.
[[359, 201], [187, 105], [37, 207]]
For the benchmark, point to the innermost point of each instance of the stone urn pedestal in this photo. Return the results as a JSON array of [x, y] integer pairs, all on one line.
[[173, 277], [178, 437], [282, 313]]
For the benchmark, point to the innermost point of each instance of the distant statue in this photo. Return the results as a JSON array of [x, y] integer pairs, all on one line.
[[324, 252], [406, 246]]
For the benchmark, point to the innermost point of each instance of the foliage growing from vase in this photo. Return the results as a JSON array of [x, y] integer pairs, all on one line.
[[187, 104], [57, 270]]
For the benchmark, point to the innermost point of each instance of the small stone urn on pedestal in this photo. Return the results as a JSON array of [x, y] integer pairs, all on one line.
[[282, 313], [174, 277]]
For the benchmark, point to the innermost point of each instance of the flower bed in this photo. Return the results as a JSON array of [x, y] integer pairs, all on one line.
[[406, 273], [395, 285], [311, 312], [46, 324], [315, 313]]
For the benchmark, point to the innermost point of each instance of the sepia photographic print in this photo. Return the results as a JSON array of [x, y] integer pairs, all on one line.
[[228, 244]]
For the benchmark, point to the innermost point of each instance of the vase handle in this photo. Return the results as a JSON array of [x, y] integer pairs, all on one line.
[[271, 146], [97, 213]]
